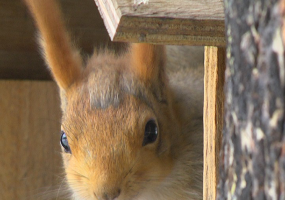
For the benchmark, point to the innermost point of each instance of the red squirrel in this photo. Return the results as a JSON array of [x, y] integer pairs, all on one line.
[[132, 125]]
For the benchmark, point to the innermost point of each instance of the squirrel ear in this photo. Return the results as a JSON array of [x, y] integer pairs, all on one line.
[[62, 58], [148, 61]]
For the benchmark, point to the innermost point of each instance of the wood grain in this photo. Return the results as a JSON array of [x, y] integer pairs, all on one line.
[[213, 117], [30, 164], [191, 22]]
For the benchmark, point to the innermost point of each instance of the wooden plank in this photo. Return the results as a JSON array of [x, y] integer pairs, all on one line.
[[30, 164], [191, 22], [23, 65], [213, 117]]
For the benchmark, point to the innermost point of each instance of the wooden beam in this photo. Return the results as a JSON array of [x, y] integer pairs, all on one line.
[[213, 117], [190, 22]]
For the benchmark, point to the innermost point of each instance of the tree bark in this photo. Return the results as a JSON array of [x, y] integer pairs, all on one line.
[[253, 148]]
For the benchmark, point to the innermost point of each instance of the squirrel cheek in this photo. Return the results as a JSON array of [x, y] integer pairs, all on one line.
[[65, 157]]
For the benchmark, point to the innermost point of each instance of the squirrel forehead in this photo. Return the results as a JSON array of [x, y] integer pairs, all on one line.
[[109, 91], [81, 114], [107, 84], [112, 126], [105, 88]]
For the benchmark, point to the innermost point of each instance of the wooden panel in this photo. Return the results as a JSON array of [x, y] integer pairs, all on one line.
[[30, 164], [192, 22], [19, 54], [22, 65], [213, 117]]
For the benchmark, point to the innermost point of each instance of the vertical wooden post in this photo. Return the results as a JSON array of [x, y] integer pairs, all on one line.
[[213, 117]]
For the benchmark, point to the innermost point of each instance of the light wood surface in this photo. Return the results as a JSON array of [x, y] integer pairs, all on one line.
[[213, 117], [30, 164], [191, 22]]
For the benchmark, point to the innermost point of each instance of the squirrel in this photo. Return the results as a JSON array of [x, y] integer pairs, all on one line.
[[132, 125]]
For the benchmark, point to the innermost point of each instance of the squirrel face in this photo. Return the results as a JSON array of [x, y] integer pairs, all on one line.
[[110, 155]]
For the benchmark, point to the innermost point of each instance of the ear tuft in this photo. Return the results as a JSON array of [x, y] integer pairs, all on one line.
[[147, 61], [62, 58], [65, 63]]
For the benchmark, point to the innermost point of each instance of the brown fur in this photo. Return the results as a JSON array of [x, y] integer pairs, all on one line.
[[106, 105], [64, 60]]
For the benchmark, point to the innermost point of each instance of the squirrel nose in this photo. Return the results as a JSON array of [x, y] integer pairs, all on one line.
[[111, 195]]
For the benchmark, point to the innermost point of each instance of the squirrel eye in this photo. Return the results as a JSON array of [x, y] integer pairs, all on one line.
[[64, 142], [150, 133]]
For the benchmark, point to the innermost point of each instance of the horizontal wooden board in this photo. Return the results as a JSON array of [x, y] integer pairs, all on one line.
[[191, 22]]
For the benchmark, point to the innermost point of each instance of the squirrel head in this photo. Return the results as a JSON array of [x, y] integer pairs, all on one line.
[[118, 121], [118, 124]]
